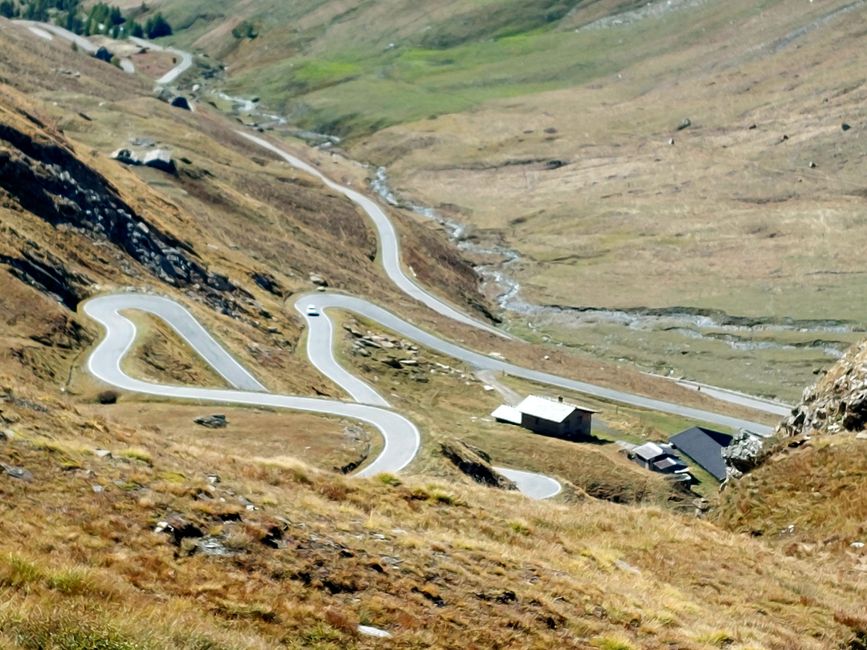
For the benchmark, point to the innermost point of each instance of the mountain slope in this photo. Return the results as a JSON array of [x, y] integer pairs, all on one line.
[[124, 525], [808, 496]]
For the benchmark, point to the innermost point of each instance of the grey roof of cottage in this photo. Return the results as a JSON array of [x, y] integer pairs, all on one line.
[[648, 451], [668, 462], [704, 446], [549, 409], [506, 413]]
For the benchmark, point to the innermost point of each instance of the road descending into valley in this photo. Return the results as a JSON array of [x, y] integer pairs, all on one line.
[[320, 351], [401, 437], [389, 244], [49, 30], [390, 253], [480, 361], [182, 64]]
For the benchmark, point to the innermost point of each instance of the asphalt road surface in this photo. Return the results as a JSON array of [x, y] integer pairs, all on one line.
[[389, 243], [401, 436], [390, 253], [45, 30], [483, 362], [184, 60], [320, 351]]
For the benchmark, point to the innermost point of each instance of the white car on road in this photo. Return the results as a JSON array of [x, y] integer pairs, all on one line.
[[312, 310]]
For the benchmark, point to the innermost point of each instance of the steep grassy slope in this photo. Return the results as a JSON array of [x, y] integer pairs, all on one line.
[[124, 526], [808, 497], [263, 552]]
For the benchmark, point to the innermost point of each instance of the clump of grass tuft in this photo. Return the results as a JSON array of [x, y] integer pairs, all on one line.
[[720, 639], [15, 571], [388, 479], [612, 643], [519, 527], [137, 453], [72, 581]]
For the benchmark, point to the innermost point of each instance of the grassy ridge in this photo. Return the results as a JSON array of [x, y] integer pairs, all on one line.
[[352, 72], [378, 64]]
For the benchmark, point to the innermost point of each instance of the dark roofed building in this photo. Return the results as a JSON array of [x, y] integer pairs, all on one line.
[[549, 417], [704, 446], [657, 457]]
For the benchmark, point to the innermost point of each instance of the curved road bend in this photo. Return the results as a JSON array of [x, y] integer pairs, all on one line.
[[389, 242], [390, 247], [401, 436], [320, 351], [483, 362], [44, 30], [184, 64]]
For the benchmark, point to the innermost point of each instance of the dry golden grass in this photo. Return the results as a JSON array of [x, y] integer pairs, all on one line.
[[327, 443], [308, 554], [438, 565], [808, 500]]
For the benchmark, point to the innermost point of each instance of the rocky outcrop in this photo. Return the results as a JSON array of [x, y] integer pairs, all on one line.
[[181, 102], [104, 54], [126, 156], [160, 159], [47, 179], [49, 275], [215, 421], [745, 452], [837, 402], [475, 463]]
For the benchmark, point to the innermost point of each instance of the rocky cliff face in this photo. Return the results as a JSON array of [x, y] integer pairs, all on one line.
[[45, 178], [837, 402]]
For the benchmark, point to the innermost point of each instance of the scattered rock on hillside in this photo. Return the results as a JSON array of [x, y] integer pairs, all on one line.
[[475, 465], [845, 126], [267, 282], [163, 94], [215, 421], [104, 54], [555, 164], [6, 435], [160, 159], [126, 156], [318, 280], [142, 141], [745, 452], [181, 102], [46, 273], [179, 528], [17, 472], [685, 123]]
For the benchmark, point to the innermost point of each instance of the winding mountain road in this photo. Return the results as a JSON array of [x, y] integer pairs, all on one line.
[[45, 30], [480, 361], [320, 351], [182, 65], [401, 436], [389, 244]]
